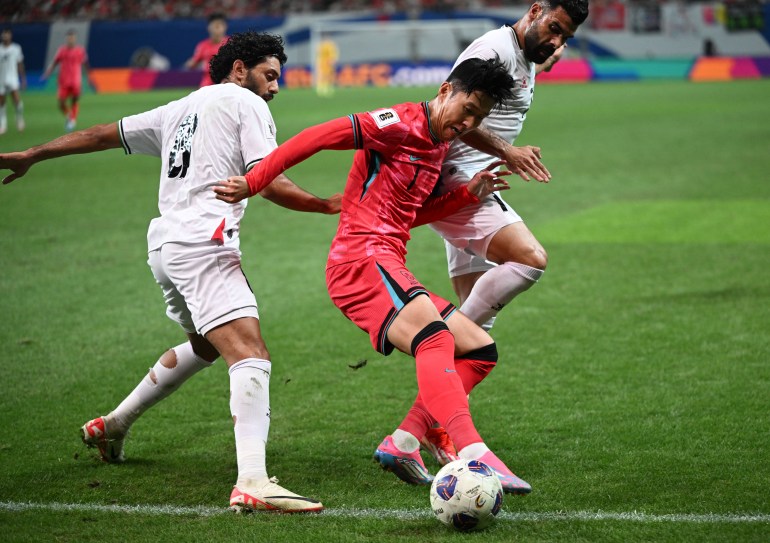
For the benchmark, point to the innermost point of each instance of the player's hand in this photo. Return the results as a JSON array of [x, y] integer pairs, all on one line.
[[18, 163], [526, 162], [333, 204], [233, 190], [486, 181]]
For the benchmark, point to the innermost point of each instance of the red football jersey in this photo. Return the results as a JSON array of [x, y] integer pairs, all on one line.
[[70, 61], [202, 55], [394, 171]]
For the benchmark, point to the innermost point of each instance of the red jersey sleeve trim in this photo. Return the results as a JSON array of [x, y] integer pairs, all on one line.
[[439, 207], [336, 134]]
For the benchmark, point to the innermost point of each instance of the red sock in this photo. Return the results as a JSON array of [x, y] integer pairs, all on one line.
[[74, 111], [441, 388], [472, 372], [418, 420]]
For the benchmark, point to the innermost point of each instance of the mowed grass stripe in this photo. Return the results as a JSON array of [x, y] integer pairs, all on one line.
[[666, 221], [404, 514]]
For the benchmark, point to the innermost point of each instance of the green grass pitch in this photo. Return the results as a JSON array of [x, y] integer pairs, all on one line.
[[633, 390]]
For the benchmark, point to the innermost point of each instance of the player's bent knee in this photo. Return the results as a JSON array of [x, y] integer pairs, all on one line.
[[534, 257], [432, 329]]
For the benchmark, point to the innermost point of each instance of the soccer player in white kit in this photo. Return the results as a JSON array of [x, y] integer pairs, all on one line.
[[492, 256], [12, 78], [213, 133]]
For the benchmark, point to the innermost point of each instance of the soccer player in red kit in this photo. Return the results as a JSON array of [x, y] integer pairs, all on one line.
[[70, 57], [395, 168], [206, 49]]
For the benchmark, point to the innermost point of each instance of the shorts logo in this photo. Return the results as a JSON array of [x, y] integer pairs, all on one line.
[[385, 117], [409, 277]]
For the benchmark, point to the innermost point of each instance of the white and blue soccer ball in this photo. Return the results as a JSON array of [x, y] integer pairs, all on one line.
[[466, 495]]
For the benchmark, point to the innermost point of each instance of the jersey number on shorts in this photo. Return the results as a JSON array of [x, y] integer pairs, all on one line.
[[180, 152]]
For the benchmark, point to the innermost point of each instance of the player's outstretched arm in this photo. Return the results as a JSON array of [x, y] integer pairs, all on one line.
[[336, 134], [524, 161], [285, 193], [479, 187], [96, 138]]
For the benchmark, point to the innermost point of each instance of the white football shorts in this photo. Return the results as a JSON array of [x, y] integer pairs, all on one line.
[[468, 232], [8, 86], [203, 285]]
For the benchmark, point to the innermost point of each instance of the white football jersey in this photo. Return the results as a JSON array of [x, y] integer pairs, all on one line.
[[10, 57], [211, 134], [506, 121]]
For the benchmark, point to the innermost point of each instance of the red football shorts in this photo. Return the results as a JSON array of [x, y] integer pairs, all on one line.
[[371, 292], [65, 91]]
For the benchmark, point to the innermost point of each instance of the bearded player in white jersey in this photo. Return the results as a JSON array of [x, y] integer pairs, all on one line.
[[492, 256], [213, 133]]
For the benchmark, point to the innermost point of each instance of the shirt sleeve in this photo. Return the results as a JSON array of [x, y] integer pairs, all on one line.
[[141, 134], [436, 208], [381, 130], [336, 134], [257, 131]]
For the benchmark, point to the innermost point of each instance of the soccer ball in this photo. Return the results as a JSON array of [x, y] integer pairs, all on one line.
[[466, 495]]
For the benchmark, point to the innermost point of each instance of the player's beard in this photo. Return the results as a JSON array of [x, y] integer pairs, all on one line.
[[534, 50], [253, 85]]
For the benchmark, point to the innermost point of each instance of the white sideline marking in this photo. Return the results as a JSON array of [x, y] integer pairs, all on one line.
[[402, 514]]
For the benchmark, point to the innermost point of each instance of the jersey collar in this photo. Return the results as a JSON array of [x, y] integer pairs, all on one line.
[[433, 135]]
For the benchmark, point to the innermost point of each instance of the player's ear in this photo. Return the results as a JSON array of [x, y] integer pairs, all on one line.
[[535, 10], [445, 89], [239, 69]]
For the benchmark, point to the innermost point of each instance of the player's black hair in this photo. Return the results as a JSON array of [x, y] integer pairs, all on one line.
[[251, 47], [217, 17], [576, 9], [489, 76]]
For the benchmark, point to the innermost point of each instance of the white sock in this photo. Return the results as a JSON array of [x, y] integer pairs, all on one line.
[[3, 120], [496, 288], [20, 109], [149, 392], [250, 407], [474, 451], [404, 441]]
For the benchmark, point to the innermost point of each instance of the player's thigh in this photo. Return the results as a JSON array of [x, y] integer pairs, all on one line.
[[239, 339], [372, 292], [412, 318], [468, 335], [213, 286], [516, 243], [176, 306]]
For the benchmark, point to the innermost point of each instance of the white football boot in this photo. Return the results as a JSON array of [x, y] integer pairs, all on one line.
[[266, 495]]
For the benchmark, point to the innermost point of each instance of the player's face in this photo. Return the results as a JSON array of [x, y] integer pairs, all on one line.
[[461, 112], [547, 31], [217, 29], [72, 39], [262, 79], [7, 36]]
